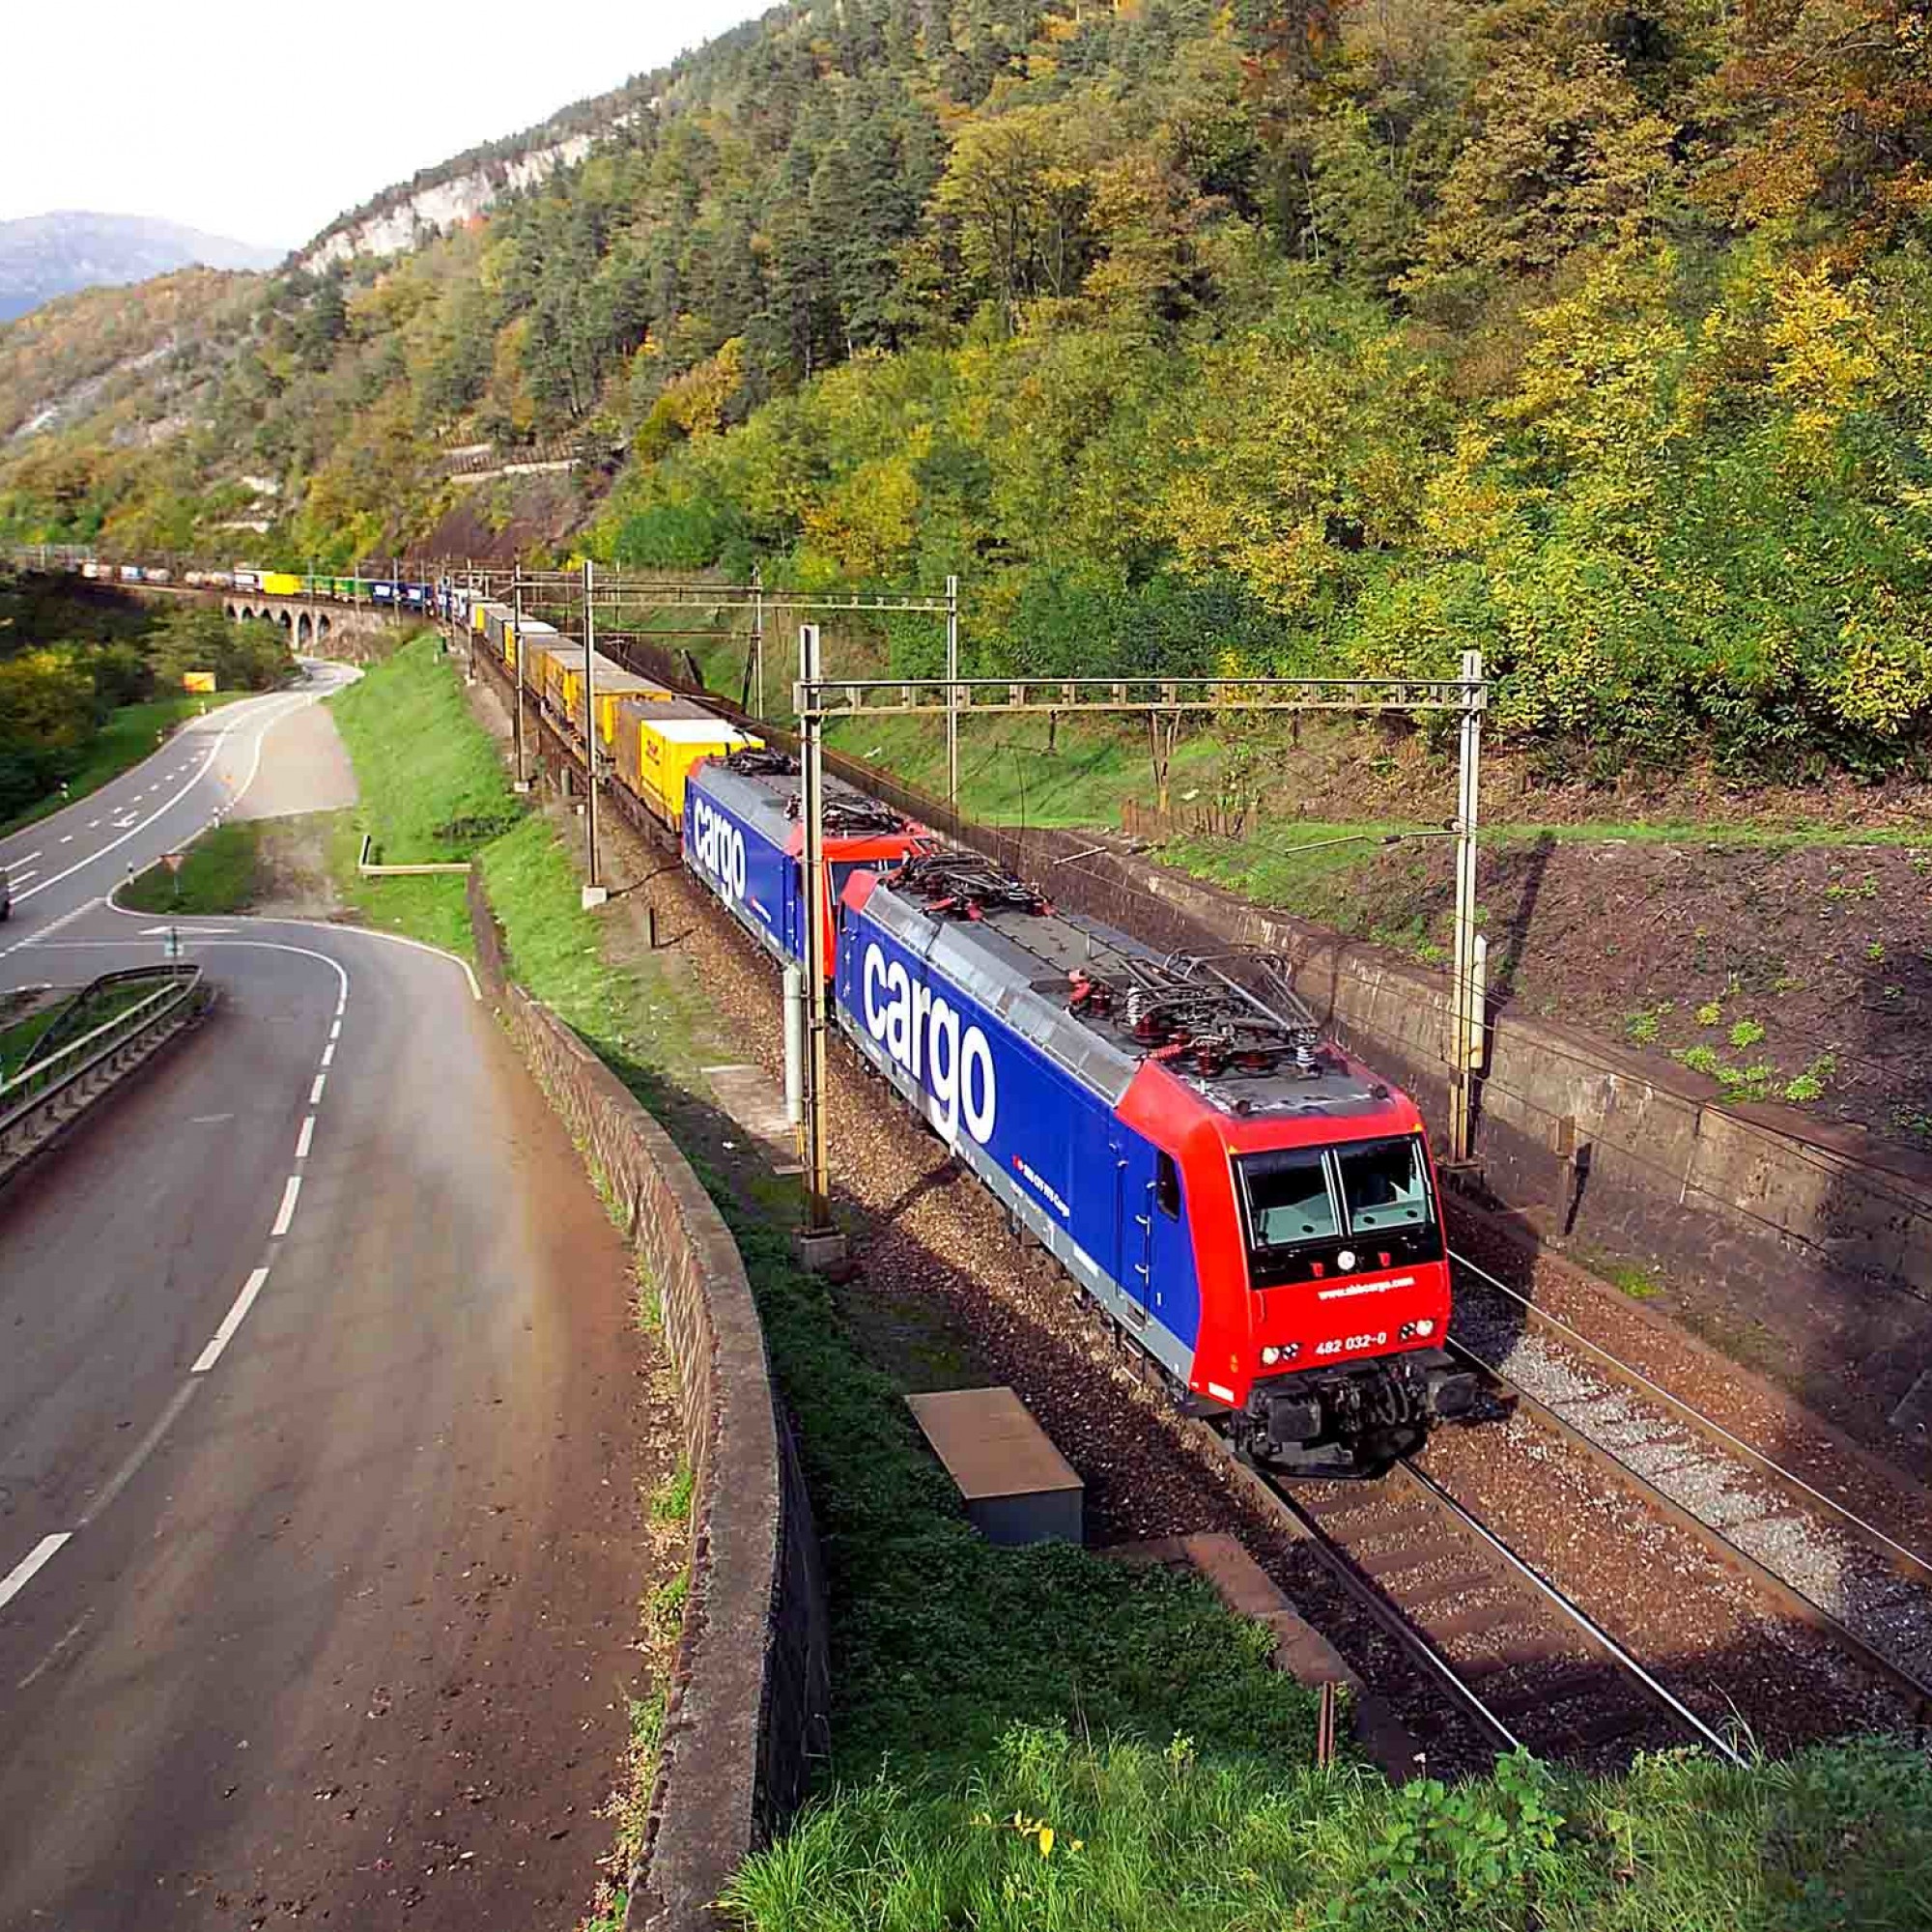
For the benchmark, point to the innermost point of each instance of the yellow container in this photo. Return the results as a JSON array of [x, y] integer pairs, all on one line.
[[281, 583], [667, 750]]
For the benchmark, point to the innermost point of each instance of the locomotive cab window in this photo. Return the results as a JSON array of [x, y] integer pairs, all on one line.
[[1289, 1199], [1167, 1187], [1384, 1184]]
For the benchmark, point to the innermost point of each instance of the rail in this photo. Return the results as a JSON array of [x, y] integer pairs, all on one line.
[[1796, 1601], [41, 1085], [1411, 1635]]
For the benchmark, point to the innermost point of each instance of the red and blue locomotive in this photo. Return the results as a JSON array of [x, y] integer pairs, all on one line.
[[1255, 1210]]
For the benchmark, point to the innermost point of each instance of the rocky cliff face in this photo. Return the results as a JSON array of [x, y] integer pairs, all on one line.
[[43, 256], [415, 215]]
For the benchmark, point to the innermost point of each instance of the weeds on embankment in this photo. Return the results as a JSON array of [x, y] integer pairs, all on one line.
[[1053, 1834]]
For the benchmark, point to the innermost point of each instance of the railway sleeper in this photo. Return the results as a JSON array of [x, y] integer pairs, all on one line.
[[1409, 1555], [1549, 1693]]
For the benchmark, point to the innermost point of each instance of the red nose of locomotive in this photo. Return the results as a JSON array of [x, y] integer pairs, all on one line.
[[1324, 1279]]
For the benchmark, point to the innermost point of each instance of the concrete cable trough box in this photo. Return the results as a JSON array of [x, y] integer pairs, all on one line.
[[1018, 1488]]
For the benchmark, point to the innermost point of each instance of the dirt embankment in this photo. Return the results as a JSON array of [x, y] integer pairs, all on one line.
[[1780, 973]]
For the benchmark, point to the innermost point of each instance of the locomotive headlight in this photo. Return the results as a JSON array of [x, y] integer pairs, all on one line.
[[1269, 1357], [1346, 1260], [1425, 1327]]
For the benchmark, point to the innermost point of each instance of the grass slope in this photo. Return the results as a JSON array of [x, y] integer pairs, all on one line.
[[1078, 1837], [431, 787]]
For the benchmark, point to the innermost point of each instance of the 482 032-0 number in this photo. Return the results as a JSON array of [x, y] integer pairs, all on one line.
[[1348, 1343]]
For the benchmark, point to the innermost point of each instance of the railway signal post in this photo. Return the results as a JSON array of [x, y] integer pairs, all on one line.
[[594, 893]]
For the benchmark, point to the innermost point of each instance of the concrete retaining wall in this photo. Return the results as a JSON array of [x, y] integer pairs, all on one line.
[[1665, 1171], [749, 1689]]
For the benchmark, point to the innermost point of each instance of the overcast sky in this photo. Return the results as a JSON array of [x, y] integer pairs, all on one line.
[[264, 124]]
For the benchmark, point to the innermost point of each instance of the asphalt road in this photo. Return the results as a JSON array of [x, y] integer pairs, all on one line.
[[82, 853], [320, 1535]]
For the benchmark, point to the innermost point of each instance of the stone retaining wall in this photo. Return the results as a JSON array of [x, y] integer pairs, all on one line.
[[749, 1689]]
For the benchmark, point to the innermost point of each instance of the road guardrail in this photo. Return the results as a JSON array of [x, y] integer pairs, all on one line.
[[55, 1086]]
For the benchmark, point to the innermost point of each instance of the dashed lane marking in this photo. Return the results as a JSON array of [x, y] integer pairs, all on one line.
[[30, 1565], [230, 1321], [290, 1193], [142, 1450], [303, 1139], [315, 1091]]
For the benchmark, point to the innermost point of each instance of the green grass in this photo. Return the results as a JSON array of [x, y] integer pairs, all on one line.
[[217, 875], [17, 1039], [432, 788], [127, 737], [1145, 1838], [1634, 1281]]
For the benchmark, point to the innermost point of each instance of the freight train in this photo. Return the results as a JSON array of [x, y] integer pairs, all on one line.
[[1255, 1211]]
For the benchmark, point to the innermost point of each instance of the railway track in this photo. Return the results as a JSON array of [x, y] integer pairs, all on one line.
[[1519, 1657], [1504, 1643], [1818, 1561]]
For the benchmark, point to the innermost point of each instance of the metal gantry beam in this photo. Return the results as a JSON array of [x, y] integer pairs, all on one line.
[[879, 696], [819, 700]]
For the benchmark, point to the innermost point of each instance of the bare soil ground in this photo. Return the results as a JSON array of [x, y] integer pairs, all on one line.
[[1796, 961]]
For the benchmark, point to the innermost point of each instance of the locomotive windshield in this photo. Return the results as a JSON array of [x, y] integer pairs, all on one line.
[[1289, 1199], [1305, 1204], [1384, 1184]]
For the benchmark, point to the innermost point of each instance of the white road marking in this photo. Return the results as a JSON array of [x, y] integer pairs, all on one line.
[[24, 1572], [50, 928], [290, 1192], [209, 1120], [140, 1453], [92, 823], [335, 1031], [302, 1140], [25, 859], [230, 1321], [315, 1091], [67, 838], [17, 874], [137, 824], [328, 1056]]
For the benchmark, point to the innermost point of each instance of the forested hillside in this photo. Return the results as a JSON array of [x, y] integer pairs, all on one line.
[[1340, 334]]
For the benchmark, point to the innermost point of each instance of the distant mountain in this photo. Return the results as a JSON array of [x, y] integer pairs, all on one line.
[[43, 256]]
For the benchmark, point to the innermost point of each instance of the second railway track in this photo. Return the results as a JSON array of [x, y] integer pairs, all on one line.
[[1518, 1656]]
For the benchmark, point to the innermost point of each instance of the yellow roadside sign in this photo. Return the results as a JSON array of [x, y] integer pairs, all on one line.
[[197, 680]]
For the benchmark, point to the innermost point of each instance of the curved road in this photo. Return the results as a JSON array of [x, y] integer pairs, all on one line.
[[319, 1523], [82, 853]]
